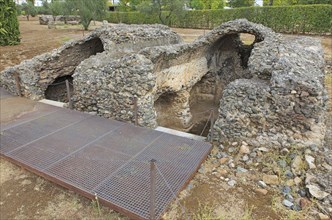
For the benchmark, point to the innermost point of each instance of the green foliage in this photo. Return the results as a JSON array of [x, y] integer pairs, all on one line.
[[295, 2], [241, 3], [9, 30], [88, 10], [164, 9], [288, 19], [44, 9], [57, 8], [206, 4], [29, 10]]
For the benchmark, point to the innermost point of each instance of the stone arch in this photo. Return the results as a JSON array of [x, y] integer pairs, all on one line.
[[227, 60], [55, 71]]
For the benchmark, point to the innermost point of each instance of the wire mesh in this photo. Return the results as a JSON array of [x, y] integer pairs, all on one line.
[[106, 157]]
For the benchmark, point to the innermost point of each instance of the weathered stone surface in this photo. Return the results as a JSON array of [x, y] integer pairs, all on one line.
[[70, 19], [268, 94], [271, 179]]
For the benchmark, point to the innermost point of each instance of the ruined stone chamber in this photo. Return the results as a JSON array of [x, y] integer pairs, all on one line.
[[268, 92]]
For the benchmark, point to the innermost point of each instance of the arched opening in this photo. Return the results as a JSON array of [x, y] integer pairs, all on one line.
[[57, 91], [227, 61], [204, 103], [65, 66], [173, 110]]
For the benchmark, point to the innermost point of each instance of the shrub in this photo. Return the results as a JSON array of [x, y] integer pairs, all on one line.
[[315, 19], [9, 29]]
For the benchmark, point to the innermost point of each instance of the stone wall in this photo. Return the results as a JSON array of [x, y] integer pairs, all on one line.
[[270, 93], [108, 42]]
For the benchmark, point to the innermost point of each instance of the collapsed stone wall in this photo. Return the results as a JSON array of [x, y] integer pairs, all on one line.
[[284, 103], [109, 41], [70, 19], [270, 93]]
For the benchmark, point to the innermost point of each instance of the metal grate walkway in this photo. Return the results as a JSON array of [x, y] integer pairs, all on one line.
[[93, 155]]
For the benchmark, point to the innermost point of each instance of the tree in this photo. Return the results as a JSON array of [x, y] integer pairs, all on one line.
[[207, 4], [88, 10], [45, 8], [57, 8], [9, 31], [241, 3], [164, 9], [29, 10]]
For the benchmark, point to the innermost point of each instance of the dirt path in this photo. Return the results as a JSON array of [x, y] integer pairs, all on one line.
[[24, 195]]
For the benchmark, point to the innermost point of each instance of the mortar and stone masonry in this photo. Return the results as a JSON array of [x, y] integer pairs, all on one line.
[[270, 93]]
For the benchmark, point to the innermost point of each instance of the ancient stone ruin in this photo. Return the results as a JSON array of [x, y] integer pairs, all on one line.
[[268, 93]]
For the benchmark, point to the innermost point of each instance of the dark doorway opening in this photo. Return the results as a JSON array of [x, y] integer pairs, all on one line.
[[57, 91]]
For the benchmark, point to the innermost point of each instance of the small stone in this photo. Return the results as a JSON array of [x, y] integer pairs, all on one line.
[[253, 155], [223, 172], [302, 192], [286, 190], [221, 147], [321, 216], [304, 202], [293, 92], [262, 184], [287, 203], [245, 158], [231, 183], [201, 170], [231, 165], [241, 170], [314, 147], [289, 197], [190, 186], [282, 163], [304, 94], [261, 191], [226, 179], [234, 143], [288, 174], [327, 167], [244, 149], [309, 178], [244, 143], [316, 192], [290, 182], [307, 151], [310, 161], [218, 155], [271, 179], [231, 149], [296, 207], [297, 180], [223, 160], [284, 151], [263, 149], [297, 165]]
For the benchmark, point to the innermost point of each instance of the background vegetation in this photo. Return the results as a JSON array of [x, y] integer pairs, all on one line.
[[9, 31], [287, 19]]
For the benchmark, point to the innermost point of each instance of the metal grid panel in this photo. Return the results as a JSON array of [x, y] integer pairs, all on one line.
[[177, 160], [38, 128], [88, 167], [46, 151], [110, 158], [43, 110], [129, 139]]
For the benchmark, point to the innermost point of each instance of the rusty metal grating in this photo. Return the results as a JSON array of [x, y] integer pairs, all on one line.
[[93, 155]]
